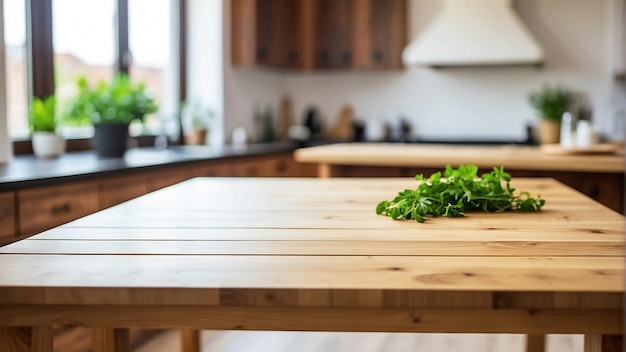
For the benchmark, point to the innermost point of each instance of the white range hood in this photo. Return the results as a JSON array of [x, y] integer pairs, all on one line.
[[474, 32]]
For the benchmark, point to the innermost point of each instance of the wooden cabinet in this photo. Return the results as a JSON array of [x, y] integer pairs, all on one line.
[[212, 169], [7, 217], [268, 32], [275, 165], [379, 33], [41, 208], [167, 177], [119, 189], [332, 38], [281, 165], [312, 34]]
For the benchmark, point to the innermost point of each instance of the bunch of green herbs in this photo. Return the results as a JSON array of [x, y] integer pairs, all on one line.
[[458, 191]]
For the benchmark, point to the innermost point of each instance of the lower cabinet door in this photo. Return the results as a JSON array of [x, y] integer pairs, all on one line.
[[42, 208], [7, 217]]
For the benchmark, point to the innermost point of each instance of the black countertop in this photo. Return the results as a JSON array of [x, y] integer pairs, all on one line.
[[28, 171]]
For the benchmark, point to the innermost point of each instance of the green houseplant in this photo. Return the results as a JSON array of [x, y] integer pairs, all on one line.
[[550, 103], [44, 122], [110, 108], [196, 120]]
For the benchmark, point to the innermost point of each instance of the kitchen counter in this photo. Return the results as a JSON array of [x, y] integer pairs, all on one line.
[[601, 177], [437, 156], [28, 171]]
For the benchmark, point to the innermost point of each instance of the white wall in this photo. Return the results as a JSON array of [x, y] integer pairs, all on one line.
[[454, 103]]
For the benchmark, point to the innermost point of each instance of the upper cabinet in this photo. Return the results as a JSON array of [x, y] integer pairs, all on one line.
[[318, 34]]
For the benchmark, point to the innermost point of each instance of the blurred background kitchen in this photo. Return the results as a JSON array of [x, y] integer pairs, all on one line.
[[262, 66], [582, 45]]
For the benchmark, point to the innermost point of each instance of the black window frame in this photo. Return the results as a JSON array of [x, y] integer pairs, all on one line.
[[41, 58]]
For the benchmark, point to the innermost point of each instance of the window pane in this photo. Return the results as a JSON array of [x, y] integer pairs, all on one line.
[[84, 44], [152, 35], [15, 64]]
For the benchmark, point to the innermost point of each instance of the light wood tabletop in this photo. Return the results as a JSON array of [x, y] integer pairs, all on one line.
[[311, 254], [515, 157]]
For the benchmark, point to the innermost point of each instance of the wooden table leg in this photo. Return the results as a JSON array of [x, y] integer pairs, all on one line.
[[604, 343], [613, 343], [26, 339], [324, 170], [190, 340], [110, 340], [535, 343], [593, 343]]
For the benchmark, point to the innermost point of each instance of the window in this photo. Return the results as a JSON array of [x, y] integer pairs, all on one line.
[[152, 59], [15, 68], [95, 38], [84, 44]]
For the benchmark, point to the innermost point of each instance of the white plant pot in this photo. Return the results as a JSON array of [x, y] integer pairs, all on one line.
[[48, 144]]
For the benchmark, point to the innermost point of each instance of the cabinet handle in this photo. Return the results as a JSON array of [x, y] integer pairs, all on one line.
[[322, 57], [377, 56], [346, 57], [59, 209], [292, 56], [261, 53], [281, 166]]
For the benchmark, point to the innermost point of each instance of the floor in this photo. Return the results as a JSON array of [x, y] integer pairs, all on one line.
[[256, 341]]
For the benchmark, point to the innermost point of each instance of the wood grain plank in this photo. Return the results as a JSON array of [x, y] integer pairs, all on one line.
[[603, 233], [562, 321], [543, 274], [284, 247], [366, 220], [307, 298]]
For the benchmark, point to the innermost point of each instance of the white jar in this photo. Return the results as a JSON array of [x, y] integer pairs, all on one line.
[[584, 134], [566, 131]]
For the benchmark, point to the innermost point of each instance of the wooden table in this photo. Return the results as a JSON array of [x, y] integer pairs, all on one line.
[[310, 254]]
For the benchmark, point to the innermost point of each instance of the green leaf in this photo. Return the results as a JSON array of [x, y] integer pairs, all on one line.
[[461, 190]]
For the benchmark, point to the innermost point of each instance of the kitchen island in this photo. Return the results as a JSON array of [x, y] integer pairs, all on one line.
[[310, 254], [599, 176]]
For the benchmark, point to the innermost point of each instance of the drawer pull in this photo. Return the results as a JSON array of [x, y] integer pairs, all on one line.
[[59, 209]]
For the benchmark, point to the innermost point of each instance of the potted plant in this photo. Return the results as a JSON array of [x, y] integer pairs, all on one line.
[[550, 103], [196, 122], [43, 122], [111, 108]]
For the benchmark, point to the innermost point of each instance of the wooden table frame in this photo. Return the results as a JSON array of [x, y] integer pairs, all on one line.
[[321, 266]]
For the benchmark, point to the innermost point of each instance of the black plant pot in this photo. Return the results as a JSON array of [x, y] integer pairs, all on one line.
[[109, 140]]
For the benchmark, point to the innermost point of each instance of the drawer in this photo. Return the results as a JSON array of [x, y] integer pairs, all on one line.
[[212, 170], [7, 217], [42, 208], [160, 179], [281, 165], [120, 189]]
